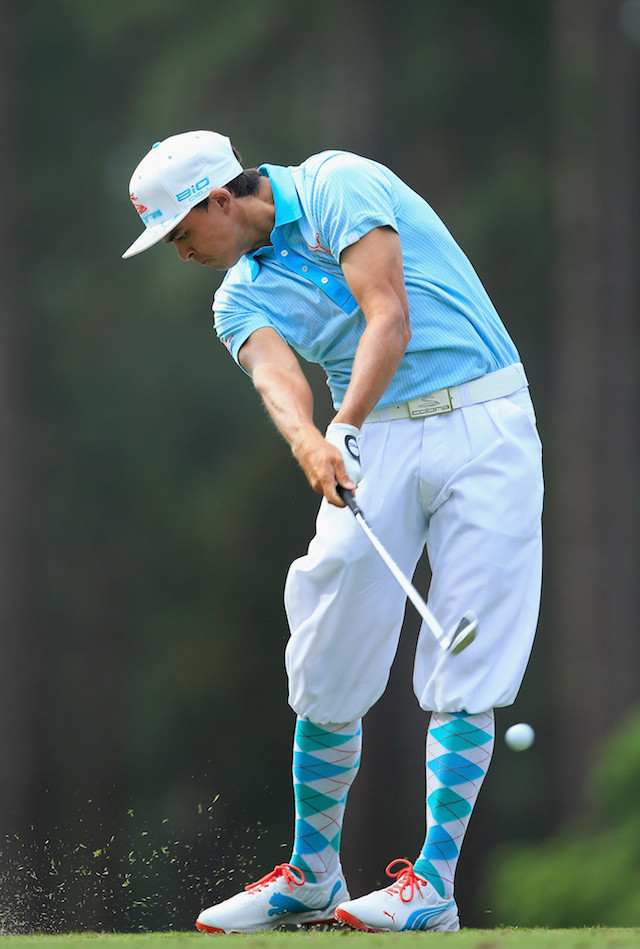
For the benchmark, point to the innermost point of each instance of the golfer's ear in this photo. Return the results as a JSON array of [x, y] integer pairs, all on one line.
[[220, 198]]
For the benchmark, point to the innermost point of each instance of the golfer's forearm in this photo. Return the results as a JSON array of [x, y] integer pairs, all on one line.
[[373, 269], [378, 356], [288, 399]]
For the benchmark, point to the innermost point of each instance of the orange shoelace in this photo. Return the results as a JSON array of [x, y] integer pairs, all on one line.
[[406, 879], [290, 873]]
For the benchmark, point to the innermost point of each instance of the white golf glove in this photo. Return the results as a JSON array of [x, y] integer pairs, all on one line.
[[347, 439]]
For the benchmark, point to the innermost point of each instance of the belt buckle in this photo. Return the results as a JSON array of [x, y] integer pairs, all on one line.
[[434, 403]]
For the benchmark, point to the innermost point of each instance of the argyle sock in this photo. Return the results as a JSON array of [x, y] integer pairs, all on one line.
[[459, 750], [325, 763]]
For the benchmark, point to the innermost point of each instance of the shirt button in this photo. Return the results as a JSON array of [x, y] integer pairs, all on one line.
[[284, 253], [324, 280], [304, 268]]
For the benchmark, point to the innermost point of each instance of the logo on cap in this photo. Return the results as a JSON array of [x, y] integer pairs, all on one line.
[[193, 190], [140, 208]]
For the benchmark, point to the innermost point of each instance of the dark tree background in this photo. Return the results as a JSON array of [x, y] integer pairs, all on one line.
[[149, 511]]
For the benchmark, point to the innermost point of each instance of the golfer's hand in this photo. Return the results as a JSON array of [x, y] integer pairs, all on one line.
[[324, 465], [346, 438]]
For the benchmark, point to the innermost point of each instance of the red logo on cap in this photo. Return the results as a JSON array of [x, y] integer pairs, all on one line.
[[140, 208]]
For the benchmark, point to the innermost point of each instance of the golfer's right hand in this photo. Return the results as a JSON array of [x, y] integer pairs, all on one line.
[[323, 463]]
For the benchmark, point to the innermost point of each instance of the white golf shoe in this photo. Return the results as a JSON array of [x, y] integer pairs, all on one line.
[[409, 903], [281, 897]]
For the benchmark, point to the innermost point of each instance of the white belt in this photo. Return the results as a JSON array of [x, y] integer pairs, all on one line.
[[495, 385]]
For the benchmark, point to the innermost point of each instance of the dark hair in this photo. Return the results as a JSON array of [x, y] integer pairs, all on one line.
[[245, 184]]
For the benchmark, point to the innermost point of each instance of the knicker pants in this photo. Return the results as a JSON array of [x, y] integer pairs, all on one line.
[[468, 486]]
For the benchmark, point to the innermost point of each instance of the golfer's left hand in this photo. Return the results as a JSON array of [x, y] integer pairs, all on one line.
[[346, 438]]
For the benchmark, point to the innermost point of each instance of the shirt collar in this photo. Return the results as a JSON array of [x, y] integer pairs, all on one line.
[[285, 195], [287, 204]]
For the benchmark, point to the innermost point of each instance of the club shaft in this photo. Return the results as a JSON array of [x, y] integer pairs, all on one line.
[[405, 583]]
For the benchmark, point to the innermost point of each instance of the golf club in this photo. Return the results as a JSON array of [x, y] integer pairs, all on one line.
[[464, 633]]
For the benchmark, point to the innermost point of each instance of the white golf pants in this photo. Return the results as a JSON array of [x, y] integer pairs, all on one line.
[[468, 485]]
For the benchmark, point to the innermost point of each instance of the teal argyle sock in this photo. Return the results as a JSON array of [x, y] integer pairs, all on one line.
[[459, 750], [325, 762]]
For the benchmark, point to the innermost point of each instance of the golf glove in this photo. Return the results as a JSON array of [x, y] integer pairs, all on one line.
[[347, 439]]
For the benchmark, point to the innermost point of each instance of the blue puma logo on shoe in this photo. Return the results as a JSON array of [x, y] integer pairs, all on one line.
[[285, 904], [421, 918], [282, 903]]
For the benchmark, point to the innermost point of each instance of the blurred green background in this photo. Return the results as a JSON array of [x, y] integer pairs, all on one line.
[[149, 511]]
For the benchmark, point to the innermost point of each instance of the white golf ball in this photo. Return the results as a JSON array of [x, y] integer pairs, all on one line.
[[519, 737]]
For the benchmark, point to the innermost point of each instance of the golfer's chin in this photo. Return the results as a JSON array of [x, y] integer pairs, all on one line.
[[222, 264], [216, 264]]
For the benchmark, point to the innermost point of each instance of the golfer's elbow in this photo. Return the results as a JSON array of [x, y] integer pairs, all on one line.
[[406, 330], [403, 327]]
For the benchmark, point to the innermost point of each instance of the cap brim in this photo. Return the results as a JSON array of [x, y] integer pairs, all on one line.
[[152, 235]]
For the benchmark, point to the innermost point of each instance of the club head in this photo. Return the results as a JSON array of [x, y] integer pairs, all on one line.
[[464, 634]]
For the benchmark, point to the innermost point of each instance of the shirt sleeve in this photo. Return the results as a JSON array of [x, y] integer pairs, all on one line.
[[350, 196], [235, 331], [235, 317]]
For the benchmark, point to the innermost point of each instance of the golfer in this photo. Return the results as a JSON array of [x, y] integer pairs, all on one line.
[[338, 261]]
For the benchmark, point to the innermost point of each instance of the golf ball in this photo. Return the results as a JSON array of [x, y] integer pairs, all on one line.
[[519, 737]]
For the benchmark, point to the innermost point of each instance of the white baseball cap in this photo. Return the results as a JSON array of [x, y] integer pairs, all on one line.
[[174, 176]]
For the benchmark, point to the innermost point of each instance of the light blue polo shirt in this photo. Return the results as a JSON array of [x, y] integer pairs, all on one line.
[[297, 287]]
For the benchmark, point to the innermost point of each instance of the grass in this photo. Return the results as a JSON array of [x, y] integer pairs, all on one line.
[[588, 938]]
